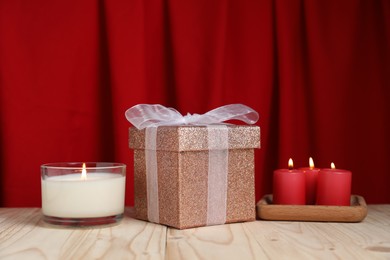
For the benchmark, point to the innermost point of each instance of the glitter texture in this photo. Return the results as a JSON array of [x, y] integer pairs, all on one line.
[[182, 159]]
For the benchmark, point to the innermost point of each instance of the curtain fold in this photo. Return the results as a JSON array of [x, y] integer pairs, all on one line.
[[318, 73]]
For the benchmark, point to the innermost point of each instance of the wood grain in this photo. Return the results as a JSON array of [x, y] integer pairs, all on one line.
[[316, 240], [23, 235], [232, 241]]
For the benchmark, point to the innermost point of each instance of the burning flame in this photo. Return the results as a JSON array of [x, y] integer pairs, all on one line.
[[84, 172], [332, 166], [311, 163], [290, 164]]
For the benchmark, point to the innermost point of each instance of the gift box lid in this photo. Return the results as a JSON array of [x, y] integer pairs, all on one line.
[[195, 138]]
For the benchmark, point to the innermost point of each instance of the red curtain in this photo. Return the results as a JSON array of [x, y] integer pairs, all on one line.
[[318, 73]]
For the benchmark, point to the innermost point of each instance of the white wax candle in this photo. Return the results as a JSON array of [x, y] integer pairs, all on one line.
[[68, 196]]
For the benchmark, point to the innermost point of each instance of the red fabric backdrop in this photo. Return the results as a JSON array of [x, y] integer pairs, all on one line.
[[318, 73]]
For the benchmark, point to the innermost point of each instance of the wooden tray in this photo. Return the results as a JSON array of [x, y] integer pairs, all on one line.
[[354, 213]]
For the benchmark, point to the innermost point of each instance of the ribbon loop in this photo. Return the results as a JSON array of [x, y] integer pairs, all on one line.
[[145, 115]]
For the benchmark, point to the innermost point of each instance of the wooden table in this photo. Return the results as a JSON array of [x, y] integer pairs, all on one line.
[[23, 235]]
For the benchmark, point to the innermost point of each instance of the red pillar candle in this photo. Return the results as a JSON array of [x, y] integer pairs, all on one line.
[[334, 187], [289, 186], [311, 175]]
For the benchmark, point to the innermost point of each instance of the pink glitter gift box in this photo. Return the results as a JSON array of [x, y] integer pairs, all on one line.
[[185, 194]]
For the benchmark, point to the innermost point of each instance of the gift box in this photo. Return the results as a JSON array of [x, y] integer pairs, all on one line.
[[194, 175]]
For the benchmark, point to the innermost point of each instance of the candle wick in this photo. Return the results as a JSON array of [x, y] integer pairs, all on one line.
[[290, 164], [84, 172]]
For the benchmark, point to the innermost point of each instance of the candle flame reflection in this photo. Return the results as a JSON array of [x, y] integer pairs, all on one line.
[[332, 166], [84, 172], [311, 163], [290, 164]]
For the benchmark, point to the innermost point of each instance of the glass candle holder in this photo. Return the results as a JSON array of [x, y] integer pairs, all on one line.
[[83, 194]]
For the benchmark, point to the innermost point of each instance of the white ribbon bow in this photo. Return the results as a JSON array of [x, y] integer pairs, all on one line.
[[144, 115]]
